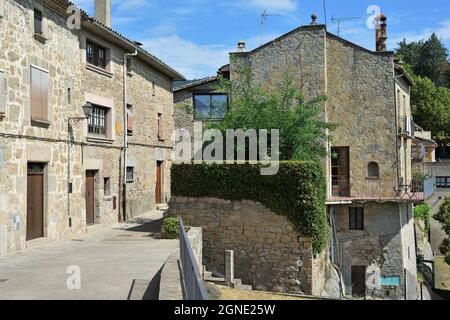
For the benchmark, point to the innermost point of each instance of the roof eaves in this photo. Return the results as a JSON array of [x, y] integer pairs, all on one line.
[[195, 83]]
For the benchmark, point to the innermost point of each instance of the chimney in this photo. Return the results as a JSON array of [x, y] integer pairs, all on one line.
[[241, 46], [381, 33], [102, 12]]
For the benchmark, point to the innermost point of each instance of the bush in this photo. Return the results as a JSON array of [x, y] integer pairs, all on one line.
[[443, 216], [298, 191], [422, 213], [172, 227]]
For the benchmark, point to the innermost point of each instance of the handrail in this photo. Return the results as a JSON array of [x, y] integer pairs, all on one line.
[[194, 287]]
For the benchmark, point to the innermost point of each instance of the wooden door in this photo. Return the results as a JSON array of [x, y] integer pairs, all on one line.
[[358, 281], [90, 197], [158, 188], [35, 202]]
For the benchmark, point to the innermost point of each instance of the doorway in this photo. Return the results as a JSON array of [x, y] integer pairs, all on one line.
[[90, 197], [158, 187], [358, 281], [35, 201]]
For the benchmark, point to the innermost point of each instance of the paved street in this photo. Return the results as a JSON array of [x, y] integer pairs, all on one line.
[[116, 262]]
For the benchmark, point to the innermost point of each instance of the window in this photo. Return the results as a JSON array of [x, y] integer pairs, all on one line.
[[97, 122], [129, 119], [38, 18], [160, 126], [129, 65], [356, 219], [2, 93], [69, 95], [106, 187], [39, 94], [373, 170], [442, 182], [95, 55], [210, 106], [130, 174], [153, 88]]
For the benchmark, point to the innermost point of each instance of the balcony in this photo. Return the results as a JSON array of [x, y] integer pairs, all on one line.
[[378, 190], [406, 126]]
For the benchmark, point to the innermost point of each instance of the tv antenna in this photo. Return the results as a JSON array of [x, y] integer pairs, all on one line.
[[338, 21], [264, 16]]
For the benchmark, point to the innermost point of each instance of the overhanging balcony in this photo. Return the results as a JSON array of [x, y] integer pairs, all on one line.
[[376, 190]]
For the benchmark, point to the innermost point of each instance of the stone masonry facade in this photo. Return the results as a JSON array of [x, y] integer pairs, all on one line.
[[368, 100], [268, 253], [61, 52]]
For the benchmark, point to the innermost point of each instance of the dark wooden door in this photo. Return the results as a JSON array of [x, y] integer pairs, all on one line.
[[358, 281], [158, 187], [35, 202], [90, 198]]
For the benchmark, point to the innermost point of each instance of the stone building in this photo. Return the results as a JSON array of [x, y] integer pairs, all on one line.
[[370, 189], [85, 123]]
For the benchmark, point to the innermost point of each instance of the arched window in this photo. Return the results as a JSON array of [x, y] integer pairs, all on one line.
[[373, 170]]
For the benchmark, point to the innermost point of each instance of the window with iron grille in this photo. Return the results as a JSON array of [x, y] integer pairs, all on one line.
[[130, 174], [95, 55], [97, 122], [356, 219], [37, 21]]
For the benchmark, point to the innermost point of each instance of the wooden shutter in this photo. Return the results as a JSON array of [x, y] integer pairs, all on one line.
[[129, 120], [2, 91], [39, 94]]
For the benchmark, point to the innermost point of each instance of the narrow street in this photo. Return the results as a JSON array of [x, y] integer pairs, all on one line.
[[115, 262]]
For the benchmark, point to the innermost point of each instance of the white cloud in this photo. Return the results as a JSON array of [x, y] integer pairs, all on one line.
[[273, 6], [442, 30], [190, 59]]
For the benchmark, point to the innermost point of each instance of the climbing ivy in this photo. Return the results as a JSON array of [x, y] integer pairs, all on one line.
[[297, 191]]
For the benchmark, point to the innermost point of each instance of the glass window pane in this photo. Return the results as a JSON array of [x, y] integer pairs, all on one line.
[[202, 106], [219, 106]]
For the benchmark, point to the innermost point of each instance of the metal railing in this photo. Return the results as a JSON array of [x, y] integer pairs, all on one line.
[[377, 189], [406, 126], [194, 287]]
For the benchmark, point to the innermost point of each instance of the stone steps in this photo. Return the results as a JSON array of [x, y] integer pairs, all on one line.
[[209, 277]]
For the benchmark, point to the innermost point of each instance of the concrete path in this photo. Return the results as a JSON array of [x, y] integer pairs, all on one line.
[[116, 262]]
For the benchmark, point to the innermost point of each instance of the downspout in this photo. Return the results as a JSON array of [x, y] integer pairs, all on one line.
[[125, 134]]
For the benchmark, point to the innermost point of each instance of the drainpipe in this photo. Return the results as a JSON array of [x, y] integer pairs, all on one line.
[[125, 135]]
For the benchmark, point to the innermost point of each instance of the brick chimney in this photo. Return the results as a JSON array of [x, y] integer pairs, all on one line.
[[102, 12], [381, 33]]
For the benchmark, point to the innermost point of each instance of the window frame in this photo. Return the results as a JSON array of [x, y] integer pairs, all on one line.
[[38, 13], [130, 119], [127, 174], [160, 125], [105, 119], [377, 168], [358, 224], [445, 184], [96, 49], [106, 186], [210, 94], [2, 93]]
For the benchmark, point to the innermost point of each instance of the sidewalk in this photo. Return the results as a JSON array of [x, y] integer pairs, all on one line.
[[116, 262]]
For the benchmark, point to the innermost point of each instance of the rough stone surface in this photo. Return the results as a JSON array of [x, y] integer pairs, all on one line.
[[63, 55], [268, 253]]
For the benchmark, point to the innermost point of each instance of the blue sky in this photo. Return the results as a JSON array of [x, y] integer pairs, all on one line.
[[195, 36]]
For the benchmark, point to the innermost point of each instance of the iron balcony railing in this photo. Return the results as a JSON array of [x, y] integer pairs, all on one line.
[[194, 287], [378, 189]]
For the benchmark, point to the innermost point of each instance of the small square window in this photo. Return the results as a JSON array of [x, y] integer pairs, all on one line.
[[38, 21], [356, 219], [107, 187], [130, 174]]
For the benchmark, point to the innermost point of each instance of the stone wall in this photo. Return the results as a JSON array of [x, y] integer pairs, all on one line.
[[381, 247], [62, 53], [268, 253]]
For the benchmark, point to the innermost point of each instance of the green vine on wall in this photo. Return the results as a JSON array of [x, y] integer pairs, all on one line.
[[297, 191]]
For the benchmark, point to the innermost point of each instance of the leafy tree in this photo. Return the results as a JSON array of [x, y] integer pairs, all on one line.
[[443, 216], [301, 131], [431, 108], [427, 58]]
